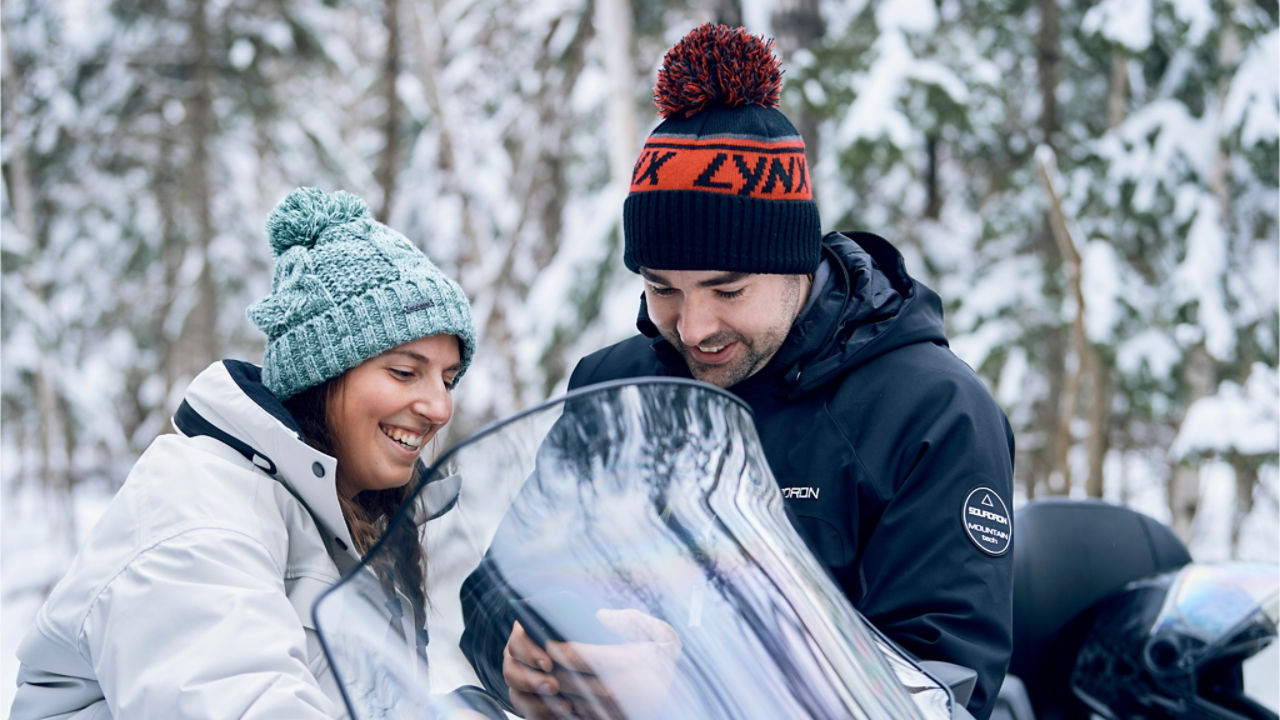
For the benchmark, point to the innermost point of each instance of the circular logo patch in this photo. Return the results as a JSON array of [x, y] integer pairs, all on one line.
[[987, 521]]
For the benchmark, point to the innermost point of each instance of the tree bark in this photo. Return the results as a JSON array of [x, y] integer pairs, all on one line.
[[1047, 460], [391, 126], [1087, 370], [545, 184], [1048, 56], [197, 342], [1246, 472], [727, 12], [1118, 90], [431, 65], [1198, 377], [1220, 173], [1098, 443], [51, 427], [798, 24], [613, 20], [933, 205]]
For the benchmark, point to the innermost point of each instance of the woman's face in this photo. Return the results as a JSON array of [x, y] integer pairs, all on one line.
[[384, 411]]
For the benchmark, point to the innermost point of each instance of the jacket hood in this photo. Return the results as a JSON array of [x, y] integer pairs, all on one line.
[[229, 403], [869, 306]]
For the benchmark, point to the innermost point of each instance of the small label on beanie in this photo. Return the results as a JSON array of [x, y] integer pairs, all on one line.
[[418, 306], [765, 170]]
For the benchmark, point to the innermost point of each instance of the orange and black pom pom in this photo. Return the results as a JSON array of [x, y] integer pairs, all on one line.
[[716, 65]]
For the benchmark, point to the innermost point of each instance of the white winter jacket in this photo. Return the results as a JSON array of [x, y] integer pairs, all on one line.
[[192, 596]]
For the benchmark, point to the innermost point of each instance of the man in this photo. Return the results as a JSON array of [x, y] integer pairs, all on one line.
[[893, 459]]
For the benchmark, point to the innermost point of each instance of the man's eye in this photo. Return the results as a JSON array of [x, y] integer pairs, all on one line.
[[729, 294], [661, 291]]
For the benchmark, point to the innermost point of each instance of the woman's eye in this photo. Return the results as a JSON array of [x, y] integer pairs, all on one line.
[[402, 374], [450, 383]]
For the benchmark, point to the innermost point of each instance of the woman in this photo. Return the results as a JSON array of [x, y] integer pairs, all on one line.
[[192, 596]]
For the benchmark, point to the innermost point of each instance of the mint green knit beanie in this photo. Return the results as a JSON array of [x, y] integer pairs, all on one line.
[[347, 288]]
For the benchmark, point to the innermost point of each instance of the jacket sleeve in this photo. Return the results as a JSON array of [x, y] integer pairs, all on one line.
[[199, 626], [937, 589], [487, 619]]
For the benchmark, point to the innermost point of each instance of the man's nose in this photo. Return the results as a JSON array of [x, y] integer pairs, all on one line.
[[698, 320]]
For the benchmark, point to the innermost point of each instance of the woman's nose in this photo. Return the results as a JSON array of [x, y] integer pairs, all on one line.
[[433, 402]]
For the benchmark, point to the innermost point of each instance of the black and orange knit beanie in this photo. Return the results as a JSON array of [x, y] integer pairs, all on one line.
[[722, 183]]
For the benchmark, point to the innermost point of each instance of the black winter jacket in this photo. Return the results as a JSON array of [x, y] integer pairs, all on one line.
[[895, 463]]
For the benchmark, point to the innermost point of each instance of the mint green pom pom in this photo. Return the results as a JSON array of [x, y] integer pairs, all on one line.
[[306, 213]]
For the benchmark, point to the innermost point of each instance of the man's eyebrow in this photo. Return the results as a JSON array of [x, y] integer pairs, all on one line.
[[653, 277], [723, 279], [714, 281]]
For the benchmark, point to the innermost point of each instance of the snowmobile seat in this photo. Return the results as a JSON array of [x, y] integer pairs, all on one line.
[[1067, 556]]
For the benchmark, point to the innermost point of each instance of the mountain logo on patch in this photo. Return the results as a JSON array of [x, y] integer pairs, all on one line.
[[987, 521]]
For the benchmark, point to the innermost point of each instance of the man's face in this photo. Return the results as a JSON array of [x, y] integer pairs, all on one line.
[[727, 325]]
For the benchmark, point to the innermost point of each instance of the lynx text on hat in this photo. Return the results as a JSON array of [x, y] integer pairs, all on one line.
[[987, 521]]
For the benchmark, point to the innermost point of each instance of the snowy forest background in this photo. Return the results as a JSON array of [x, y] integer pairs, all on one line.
[[1092, 186]]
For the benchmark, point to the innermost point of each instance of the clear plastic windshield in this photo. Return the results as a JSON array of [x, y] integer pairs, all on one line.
[[623, 515]]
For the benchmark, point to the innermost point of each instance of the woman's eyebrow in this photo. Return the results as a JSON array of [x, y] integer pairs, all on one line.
[[410, 354], [456, 367]]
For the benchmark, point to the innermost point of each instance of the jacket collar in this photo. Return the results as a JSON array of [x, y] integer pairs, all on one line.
[[228, 402]]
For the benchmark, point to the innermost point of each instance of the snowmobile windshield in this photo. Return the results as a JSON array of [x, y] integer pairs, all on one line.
[[639, 522]]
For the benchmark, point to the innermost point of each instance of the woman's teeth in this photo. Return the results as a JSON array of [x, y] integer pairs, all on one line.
[[409, 440]]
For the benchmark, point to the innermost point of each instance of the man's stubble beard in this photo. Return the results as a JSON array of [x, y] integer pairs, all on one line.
[[756, 354]]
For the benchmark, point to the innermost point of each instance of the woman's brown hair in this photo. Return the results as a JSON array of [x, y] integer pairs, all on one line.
[[369, 512]]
